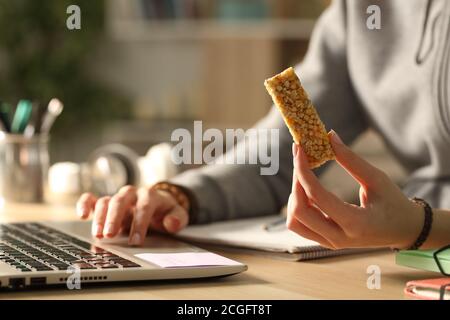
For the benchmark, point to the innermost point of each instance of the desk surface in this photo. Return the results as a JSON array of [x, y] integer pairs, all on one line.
[[342, 277]]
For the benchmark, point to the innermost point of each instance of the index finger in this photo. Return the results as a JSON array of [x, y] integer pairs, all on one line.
[[145, 208], [338, 210], [85, 205], [361, 170], [119, 205]]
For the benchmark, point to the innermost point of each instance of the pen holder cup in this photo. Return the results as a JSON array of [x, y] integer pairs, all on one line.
[[24, 166]]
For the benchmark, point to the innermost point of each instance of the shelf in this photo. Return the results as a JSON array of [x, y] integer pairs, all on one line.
[[141, 30]]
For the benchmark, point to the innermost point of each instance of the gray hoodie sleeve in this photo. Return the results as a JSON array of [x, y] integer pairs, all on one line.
[[240, 191]]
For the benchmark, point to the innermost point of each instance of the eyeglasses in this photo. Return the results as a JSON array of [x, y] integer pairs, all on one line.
[[442, 259]]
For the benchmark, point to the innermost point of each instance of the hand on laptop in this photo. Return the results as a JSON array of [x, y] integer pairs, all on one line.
[[385, 217], [133, 210]]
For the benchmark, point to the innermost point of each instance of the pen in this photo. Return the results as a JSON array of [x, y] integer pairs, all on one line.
[[21, 116], [4, 117], [54, 109], [279, 224], [34, 123]]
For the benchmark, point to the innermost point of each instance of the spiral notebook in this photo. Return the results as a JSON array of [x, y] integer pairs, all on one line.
[[252, 234]]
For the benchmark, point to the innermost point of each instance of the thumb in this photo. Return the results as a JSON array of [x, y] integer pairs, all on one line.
[[176, 219], [361, 170]]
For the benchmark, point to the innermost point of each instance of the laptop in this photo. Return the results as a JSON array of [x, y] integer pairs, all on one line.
[[40, 254]]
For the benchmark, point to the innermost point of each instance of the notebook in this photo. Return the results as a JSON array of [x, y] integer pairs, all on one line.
[[429, 289], [252, 234], [422, 259]]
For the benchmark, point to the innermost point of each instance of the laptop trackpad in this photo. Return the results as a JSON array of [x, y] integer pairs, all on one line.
[[154, 243]]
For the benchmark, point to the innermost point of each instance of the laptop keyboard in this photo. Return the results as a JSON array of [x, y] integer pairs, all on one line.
[[34, 247]]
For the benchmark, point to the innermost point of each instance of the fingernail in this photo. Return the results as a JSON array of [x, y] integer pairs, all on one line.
[[336, 138], [81, 212], [136, 239], [174, 223], [109, 229], [96, 229], [294, 149]]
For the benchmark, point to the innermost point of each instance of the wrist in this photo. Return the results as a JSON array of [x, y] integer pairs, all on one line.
[[184, 197], [176, 192], [417, 225]]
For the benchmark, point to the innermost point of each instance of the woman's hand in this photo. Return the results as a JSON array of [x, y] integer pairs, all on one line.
[[133, 210], [384, 218]]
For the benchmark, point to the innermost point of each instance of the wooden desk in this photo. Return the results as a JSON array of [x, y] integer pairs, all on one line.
[[331, 278]]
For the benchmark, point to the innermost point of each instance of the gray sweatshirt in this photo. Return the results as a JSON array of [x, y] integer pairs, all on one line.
[[394, 79]]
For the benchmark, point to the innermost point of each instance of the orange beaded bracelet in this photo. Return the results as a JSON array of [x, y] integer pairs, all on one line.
[[176, 192]]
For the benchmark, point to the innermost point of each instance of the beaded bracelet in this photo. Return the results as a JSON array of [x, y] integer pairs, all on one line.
[[176, 192], [426, 225]]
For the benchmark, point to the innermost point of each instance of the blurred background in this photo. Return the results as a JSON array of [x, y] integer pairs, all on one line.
[[138, 69]]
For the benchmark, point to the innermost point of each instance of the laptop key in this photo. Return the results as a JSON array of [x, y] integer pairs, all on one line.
[[130, 265], [21, 267], [109, 255], [70, 259], [109, 266], [97, 250], [83, 244], [61, 267], [83, 266], [86, 255], [115, 258], [43, 268], [96, 259]]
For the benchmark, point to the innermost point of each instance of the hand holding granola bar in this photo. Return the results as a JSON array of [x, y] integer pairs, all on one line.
[[317, 214]]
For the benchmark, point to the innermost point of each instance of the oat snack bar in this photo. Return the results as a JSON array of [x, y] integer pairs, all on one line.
[[300, 116]]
